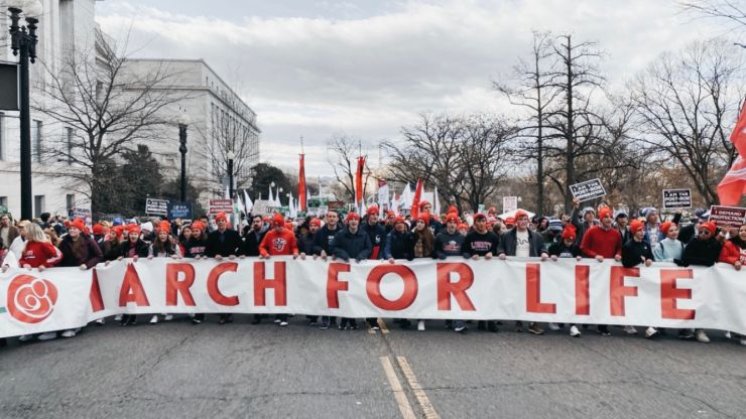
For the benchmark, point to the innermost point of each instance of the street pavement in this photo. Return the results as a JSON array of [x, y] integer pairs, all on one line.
[[178, 370]]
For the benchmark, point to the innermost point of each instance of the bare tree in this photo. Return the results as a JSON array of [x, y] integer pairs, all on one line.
[[685, 102], [231, 133], [106, 109], [465, 158], [732, 11], [344, 152], [534, 89]]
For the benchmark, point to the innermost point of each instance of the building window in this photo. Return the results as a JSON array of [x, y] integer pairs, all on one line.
[[70, 202], [69, 142], [38, 205], [2, 136], [4, 202], [36, 149]]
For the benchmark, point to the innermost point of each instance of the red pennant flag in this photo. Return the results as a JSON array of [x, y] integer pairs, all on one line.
[[302, 185], [415, 211], [738, 136], [359, 180], [733, 185]]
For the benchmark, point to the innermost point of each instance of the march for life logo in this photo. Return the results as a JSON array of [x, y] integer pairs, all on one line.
[[30, 300], [279, 244]]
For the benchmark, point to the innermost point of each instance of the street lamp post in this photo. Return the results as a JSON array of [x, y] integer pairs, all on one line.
[[231, 156], [23, 43], [183, 124]]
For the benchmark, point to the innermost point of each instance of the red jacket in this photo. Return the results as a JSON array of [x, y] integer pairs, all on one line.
[[278, 243], [606, 243], [731, 253], [37, 254]]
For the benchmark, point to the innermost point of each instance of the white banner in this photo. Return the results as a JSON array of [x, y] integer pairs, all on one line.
[[565, 291]]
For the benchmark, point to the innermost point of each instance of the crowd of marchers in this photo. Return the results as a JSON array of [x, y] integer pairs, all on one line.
[[597, 233]]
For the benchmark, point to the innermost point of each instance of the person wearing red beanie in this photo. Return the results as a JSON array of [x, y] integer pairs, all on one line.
[[279, 241]]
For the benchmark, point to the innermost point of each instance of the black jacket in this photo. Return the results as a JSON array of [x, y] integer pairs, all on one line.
[[194, 248], [251, 241], [560, 250], [509, 243], [225, 244], [480, 244], [141, 248], [448, 244], [306, 243], [633, 252], [377, 235], [324, 239], [399, 245], [348, 246], [701, 252]]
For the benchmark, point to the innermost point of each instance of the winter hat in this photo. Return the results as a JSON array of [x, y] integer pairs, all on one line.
[[666, 226], [98, 229], [452, 218], [604, 212], [278, 220], [352, 216], [146, 226], [520, 213], [78, 224], [635, 226], [198, 225], [119, 230], [315, 222], [422, 205], [492, 210], [399, 220], [164, 226], [463, 226], [480, 216], [132, 228], [569, 232], [586, 210], [372, 210], [620, 214], [709, 225], [221, 217], [510, 221]]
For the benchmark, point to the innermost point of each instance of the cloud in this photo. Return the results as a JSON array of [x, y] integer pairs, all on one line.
[[367, 75]]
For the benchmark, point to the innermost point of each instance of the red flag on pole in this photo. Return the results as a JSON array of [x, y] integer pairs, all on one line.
[[733, 185], [359, 180], [415, 211], [302, 185]]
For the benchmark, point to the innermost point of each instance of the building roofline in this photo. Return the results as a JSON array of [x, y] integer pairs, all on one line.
[[196, 60]]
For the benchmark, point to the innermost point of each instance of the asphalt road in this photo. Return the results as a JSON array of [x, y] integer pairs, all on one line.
[[238, 370]]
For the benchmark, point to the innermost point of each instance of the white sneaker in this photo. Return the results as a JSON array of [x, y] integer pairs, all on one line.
[[69, 334], [277, 321], [168, 317], [283, 323], [554, 326], [728, 335], [118, 318], [650, 332], [154, 319], [630, 330], [48, 336], [743, 341], [421, 325], [101, 321], [25, 338], [574, 332], [702, 336]]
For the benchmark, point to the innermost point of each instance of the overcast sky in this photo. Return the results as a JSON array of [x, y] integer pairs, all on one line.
[[365, 68]]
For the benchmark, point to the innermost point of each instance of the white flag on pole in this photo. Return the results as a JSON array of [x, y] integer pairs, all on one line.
[[247, 202], [436, 203]]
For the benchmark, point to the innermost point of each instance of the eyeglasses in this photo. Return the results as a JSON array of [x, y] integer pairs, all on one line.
[[704, 232]]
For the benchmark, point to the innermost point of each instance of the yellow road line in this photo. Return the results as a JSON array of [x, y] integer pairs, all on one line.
[[401, 397], [382, 325], [419, 393]]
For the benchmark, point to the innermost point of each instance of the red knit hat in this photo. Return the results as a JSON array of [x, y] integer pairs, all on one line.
[[480, 215], [164, 226], [197, 225], [278, 220], [132, 228], [709, 225], [424, 217], [221, 216], [635, 226], [315, 222], [520, 213], [422, 205], [463, 226], [352, 216], [98, 229], [118, 230], [604, 212], [569, 232], [510, 221], [666, 226], [373, 210], [452, 218], [78, 224], [399, 219]]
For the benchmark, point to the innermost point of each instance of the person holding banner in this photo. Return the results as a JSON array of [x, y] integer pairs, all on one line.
[[223, 242], [424, 246], [253, 236], [306, 236], [635, 252], [603, 242], [670, 248], [194, 247], [133, 248], [322, 247], [111, 245], [38, 253], [351, 243], [703, 250], [449, 243], [164, 246], [481, 242], [566, 248], [279, 241], [524, 243], [399, 242], [734, 249], [377, 235]]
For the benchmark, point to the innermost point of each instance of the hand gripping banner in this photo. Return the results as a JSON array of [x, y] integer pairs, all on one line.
[[565, 291]]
